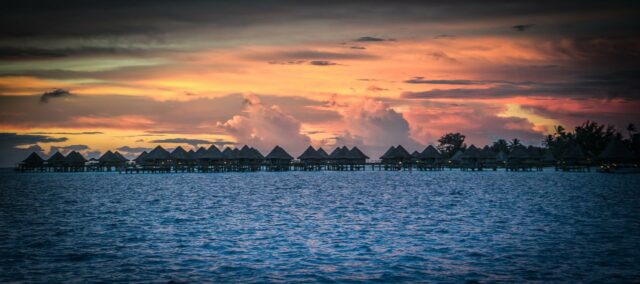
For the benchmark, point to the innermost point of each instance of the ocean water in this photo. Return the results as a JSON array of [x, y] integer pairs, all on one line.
[[448, 226]]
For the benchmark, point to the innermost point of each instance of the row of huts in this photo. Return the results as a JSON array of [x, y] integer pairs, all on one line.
[[247, 158]]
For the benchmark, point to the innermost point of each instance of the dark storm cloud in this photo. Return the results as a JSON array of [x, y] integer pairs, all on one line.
[[601, 51], [29, 53], [422, 80], [369, 38], [322, 63], [444, 36], [441, 56], [522, 28], [68, 133], [612, 85], [157, 20], [290, 62], [193, 142], [133, 149], [16, 147], [57, 93], [299, 56], [18, 139], [69, 148]]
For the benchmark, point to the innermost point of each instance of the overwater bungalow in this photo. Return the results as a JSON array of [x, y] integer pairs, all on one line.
[[228, 161], [75, 162], [180, 157], [501, 158], [192, 155], [278, 159], [159, 157], [56, 162], [415, 155], [488, 158], [517, 160], [429, 159], [338, 159], [121, 157], [357, 159], [32, 163], [207, 159], [248, 160], [456, 159], [396, 158], [310, 155], [257, 154], [548, 159], [616, 157], [310, 159], [357, 156], [535, 155], [213, 155], [574, 159], [140, 159], [110, 161], [471, 159], [323, 153]]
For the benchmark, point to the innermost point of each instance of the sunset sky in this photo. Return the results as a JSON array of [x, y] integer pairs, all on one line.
[[117, 75]]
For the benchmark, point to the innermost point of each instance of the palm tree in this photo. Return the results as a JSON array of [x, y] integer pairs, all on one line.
[[631, 128], [515, 142]]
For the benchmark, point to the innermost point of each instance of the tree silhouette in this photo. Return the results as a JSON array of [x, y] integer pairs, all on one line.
[[451, 143]]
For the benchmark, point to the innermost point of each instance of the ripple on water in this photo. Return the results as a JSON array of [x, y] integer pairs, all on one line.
[[445, 226]]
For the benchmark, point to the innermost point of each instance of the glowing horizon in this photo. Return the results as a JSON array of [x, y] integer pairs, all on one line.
[[268, 75]]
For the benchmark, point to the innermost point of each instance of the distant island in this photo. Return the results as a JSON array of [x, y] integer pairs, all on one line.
[[589, 145]]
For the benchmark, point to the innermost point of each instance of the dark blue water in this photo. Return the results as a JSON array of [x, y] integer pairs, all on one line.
[[327, 226]]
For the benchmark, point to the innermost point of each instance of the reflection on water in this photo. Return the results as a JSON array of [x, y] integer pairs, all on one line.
[[320, 226]]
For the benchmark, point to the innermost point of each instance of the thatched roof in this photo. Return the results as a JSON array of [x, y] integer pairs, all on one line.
[[191, 154], [257, 154], [158, 153], [399, 153], [487, 153], [56, 158], [75, 158], [210, 154], [141, 157], [534, 153], [228, 153], [457, 157], [310, 154], [388, 153], [199, 153], [340, 153], [278, 154], [519, 152], [415, 154], [179, 154], [121, 157], [246, 153], [616, 150], [430, 153], [109, 157], [357, 154], [33, 159], [471, 153], [322, 153], [575, 152]]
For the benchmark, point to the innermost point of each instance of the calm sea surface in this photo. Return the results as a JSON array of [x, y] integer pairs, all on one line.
[[445, 226]]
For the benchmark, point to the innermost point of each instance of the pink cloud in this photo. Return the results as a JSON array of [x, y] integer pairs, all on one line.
[[264, 126]]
